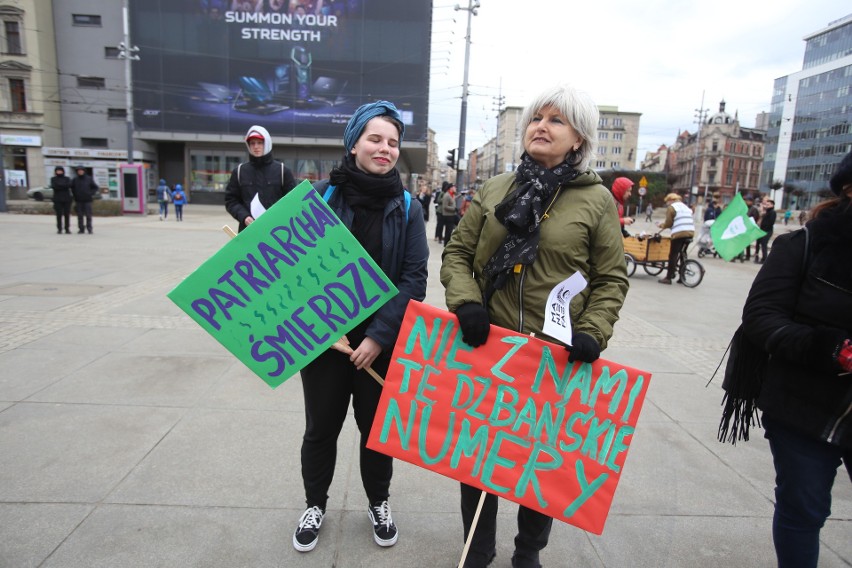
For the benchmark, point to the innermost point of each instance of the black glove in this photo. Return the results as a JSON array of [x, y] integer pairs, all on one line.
[[474, 324], [826, 343], [585, 348]]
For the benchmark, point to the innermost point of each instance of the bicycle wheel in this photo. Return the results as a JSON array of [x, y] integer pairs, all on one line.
[[631, 264], [653, 268], [691, 273]]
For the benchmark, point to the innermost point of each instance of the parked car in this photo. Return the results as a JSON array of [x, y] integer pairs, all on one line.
[[46, 193], [40, 193]]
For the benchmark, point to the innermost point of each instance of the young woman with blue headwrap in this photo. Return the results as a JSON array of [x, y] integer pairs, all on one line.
[[366, 193]]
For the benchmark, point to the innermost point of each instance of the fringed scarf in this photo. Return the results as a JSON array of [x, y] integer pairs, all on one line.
[[522, 212], [744, 375]]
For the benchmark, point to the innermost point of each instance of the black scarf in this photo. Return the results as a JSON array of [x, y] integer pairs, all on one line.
[[367, 195], [522, 212]]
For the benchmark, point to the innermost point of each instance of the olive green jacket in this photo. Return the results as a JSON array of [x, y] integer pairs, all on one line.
[[581, 233]]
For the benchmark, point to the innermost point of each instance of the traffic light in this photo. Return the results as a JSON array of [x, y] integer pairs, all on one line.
[[451, 158]]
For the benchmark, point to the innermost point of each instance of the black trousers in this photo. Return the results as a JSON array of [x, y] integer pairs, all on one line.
[[63, 212], [439, 226], [674, 254], [450, 222], [761, 247], [533, 527], [84, 214], [329, 383]]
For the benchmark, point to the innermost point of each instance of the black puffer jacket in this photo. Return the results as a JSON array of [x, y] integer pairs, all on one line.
[[799, 318], [265, 177], [61, 189], [84, 188]]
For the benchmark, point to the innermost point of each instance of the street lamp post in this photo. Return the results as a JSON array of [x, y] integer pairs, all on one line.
[[472, 6], [128, 53], [700, 114]]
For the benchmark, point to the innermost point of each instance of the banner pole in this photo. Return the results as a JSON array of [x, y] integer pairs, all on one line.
[[345, 349], [472, 529]]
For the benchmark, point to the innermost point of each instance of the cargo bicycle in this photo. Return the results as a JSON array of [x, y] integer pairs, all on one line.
[[652, 253]]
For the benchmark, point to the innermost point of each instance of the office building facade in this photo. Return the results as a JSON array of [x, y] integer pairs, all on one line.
[[206, 71], [809, 120]]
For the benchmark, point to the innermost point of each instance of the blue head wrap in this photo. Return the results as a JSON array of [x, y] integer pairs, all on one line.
[[363, 115]]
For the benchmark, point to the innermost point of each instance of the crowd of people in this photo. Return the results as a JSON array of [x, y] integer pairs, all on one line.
[[505, 247]]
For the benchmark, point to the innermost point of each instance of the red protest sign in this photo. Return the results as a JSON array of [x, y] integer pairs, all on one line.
[[511, 417]]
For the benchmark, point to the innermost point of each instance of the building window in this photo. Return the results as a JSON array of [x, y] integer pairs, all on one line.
[[715, 146], [616, 123], [117, 113], [18, 95], [601, 164], [602, 150], [616, 150], [13, 38], [86, 20], [91, 82], [617, 135], [614, 165], [93, 142], [603, 135], [603, 122], [111, 52]]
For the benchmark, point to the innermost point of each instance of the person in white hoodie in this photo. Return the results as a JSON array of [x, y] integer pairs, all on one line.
[[258, 184]]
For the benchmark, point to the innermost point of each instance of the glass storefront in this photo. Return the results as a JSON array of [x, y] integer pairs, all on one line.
[[210, 169]]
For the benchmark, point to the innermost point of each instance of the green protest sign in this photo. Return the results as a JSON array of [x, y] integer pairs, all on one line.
[[734, 230], [286, 288]]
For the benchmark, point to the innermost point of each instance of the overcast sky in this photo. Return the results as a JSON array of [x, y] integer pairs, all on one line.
[[655, 57]]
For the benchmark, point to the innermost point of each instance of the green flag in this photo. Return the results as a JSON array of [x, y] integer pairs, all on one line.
[[734, 230]]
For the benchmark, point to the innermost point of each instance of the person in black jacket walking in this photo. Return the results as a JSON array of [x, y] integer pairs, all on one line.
[[61, 185], [258, 184], [84, 189], [767, 225], [799, 309]]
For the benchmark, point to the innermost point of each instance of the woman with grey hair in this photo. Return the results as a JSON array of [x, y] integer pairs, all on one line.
[[524, 233]]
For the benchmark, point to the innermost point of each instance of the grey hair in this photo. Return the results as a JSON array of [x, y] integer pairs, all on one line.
[[580, 110]]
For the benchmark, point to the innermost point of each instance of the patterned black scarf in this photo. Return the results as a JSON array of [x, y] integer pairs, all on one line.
[[522, 212]]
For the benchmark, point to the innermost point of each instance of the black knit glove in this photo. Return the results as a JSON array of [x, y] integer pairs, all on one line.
[[826, 343], [474, 324], [585, 348]]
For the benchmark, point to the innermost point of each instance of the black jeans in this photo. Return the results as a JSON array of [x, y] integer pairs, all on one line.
[[760, 249], [533, 527], [63, 212], [674, 255], [450, 222], [84, 215], [439, 226], [805, 468], [328, 383]]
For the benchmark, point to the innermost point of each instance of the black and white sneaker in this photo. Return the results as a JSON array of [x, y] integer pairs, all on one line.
[[307, 533], [384, 531]]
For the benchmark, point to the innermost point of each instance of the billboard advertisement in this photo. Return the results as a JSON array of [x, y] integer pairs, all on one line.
[[300, 68]]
